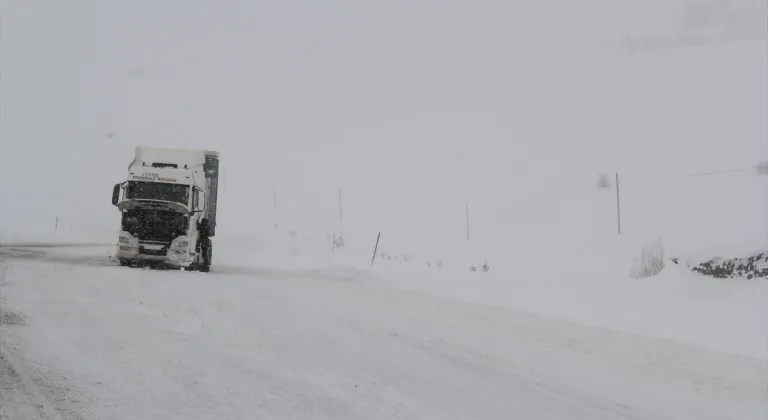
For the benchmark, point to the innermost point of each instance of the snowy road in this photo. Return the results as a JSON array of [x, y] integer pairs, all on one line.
[[106, 342]]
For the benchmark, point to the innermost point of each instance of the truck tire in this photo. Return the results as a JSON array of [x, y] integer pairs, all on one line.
[[124, 262]]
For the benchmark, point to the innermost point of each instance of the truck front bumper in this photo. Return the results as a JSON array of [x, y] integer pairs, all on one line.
[[175, 258]]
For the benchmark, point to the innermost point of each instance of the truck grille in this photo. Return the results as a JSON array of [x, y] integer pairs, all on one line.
[[154, 252]]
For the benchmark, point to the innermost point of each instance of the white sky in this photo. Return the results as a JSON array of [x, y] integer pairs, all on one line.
[[399, 97]]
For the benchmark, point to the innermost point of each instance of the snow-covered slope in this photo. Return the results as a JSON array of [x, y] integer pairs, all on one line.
[[119, 343]]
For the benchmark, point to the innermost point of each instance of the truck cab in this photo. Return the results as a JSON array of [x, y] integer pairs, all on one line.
[[168, 209]]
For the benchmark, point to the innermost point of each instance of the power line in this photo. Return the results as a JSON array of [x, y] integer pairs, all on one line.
[[699, 174], [713, 173]]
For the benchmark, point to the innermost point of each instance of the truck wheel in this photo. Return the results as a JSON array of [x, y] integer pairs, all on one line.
[[124, 262]]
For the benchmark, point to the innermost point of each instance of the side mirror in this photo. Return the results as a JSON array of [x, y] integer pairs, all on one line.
[[115, 194]]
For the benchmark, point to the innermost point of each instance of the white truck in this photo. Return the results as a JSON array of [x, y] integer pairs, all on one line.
[[168, 208]]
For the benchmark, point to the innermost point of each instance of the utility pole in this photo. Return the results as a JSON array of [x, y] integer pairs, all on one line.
[[375, 249], [618, 204], [466, 209], [341, 210]]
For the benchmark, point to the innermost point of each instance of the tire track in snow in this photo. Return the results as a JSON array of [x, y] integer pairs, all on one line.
[[21, 398], [527, 385], [21, 386]]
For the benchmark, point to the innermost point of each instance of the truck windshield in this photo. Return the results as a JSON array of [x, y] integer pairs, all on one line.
[[158, 191]]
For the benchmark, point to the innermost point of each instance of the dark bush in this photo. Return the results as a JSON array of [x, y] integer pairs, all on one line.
[[753, 267]]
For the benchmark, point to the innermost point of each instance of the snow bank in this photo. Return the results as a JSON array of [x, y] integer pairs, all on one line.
[[676, 305], [121, 343]]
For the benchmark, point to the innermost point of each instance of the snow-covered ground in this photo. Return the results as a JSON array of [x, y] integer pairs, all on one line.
[[412, 113], [102, 341]]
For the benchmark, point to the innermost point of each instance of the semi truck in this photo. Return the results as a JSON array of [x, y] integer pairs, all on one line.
[[167, 206]]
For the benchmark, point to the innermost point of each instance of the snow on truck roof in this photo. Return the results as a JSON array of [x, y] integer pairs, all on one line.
[[180, 157]]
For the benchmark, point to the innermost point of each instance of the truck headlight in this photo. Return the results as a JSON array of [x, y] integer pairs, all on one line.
[[124, 240], [181, 244]]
